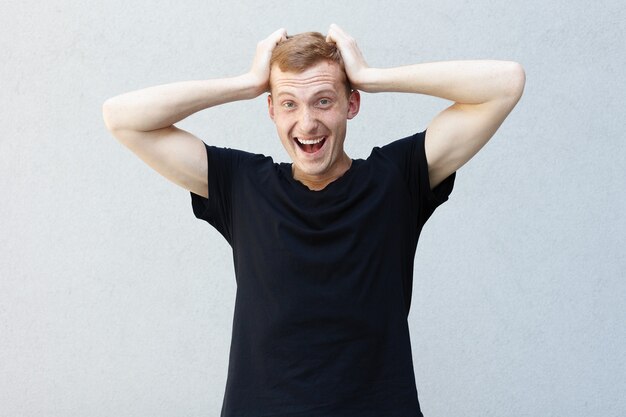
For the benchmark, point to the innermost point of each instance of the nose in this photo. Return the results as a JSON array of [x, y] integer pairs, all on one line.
[[308, 121]]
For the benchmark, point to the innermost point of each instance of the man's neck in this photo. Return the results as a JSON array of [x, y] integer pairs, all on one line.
[[318, 183]]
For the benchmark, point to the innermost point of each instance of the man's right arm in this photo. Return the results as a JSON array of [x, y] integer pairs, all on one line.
[[143, 120]]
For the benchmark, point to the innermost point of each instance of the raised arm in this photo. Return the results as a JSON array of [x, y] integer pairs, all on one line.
[[484, 93], [143, 120]]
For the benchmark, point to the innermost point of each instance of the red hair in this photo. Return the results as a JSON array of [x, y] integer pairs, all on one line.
[[300, 52]]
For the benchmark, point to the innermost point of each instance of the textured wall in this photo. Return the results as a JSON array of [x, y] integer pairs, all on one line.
[[116, 301]]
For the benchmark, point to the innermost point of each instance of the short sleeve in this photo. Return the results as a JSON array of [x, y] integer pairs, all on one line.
[[222, 164], [410, 155], [199, 204]]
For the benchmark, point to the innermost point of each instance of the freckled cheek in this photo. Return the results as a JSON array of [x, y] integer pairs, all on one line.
[[334, 124], [284, 123]]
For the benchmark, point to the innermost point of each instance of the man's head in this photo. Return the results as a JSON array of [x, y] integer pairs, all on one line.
[[303, 51], [311, 102]]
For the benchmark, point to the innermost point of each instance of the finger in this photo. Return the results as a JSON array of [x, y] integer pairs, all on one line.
[[268, 44], [275, 37], [279, 35], [330, 37], [335, 33]]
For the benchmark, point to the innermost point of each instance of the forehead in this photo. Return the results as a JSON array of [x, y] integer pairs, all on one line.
[[325, 75]]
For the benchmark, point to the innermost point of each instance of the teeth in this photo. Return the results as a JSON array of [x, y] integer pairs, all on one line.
[[310, 141]]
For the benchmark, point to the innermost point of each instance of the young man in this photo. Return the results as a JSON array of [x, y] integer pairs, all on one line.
[[323, 247]]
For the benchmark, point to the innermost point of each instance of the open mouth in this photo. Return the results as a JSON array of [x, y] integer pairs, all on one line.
[[311, 145]]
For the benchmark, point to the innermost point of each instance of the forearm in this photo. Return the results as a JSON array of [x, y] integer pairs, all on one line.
[[161, 106], [467, 82]]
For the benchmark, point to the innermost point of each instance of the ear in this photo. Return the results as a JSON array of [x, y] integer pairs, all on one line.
[[354, 103], [270, 106]]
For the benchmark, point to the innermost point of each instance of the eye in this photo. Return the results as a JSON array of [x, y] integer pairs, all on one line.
[[289, 104], [325, 102]]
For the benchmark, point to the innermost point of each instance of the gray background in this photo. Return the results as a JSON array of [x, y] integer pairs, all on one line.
[[116, 301]]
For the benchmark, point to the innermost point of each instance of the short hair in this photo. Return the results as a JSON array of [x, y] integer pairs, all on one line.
[[300, 52]]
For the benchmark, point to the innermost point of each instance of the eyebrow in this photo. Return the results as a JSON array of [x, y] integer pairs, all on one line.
[[325, 91]]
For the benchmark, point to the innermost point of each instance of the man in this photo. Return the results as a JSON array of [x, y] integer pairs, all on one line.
[[323, 247]]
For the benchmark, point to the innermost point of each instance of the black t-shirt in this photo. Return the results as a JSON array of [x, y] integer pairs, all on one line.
[[324, 281]]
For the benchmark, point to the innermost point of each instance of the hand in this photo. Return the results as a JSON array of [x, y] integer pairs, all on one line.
[[355, 65], [260, 70]]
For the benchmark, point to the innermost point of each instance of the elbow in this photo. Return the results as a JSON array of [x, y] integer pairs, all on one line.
[[515, 80], [108, 113], [113, 115]]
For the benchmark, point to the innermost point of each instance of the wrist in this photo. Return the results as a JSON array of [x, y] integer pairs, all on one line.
[[368, 80], [252, 85]]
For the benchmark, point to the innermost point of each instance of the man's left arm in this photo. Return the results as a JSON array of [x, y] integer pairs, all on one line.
[[484, 93]]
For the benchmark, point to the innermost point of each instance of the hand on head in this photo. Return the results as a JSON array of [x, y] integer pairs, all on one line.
[[354, 62], [355, 65], [260, 69]]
